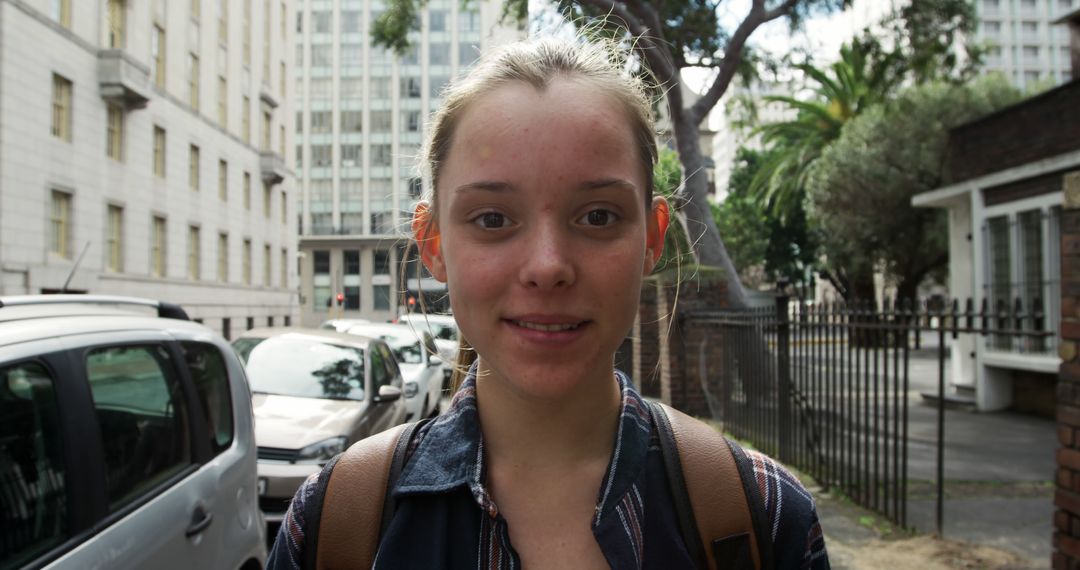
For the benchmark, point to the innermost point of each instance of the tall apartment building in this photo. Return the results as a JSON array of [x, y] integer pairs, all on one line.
[[142, 147], [360, 121], [1023, 41]]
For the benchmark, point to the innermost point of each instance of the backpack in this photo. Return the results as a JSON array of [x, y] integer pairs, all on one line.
[[720, 529]]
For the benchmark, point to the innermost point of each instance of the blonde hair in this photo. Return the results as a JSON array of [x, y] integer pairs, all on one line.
[[538, 62]]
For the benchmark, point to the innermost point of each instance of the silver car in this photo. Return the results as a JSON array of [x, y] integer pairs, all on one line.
[[419, 361], [314, 392], [125, 439]]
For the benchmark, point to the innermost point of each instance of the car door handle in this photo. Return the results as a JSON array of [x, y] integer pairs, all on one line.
[[200, 520]]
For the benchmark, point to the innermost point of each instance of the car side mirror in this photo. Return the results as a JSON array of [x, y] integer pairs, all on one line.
[[388, 393], [434, 360]]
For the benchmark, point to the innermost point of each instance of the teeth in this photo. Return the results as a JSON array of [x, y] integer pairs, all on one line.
[[545, 328]]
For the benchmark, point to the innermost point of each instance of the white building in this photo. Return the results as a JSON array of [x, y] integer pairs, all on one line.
[[141, 147], [360, 119]]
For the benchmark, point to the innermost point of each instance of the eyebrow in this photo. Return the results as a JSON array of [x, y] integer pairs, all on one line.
[[501, 187]]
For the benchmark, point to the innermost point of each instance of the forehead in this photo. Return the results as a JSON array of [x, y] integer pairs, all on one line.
[[568, 128]]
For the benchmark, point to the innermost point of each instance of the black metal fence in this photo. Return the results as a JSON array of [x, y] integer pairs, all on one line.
[[825, 388]]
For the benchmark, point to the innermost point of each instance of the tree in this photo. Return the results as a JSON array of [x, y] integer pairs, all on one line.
[[668, 37], [862, 185]]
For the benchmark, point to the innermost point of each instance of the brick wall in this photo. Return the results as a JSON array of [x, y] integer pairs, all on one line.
[[1067, 495]]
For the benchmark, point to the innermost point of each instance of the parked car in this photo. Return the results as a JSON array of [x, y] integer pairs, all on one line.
[[443, 329], [342, 325], [314, 392], [125, 439], [419, 361]]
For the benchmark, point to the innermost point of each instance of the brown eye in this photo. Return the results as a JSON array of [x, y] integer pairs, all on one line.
[[599, 218], [491, 220]]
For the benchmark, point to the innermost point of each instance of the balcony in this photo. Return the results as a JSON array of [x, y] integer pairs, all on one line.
[[267, 97], [122, 80], [272, 166]]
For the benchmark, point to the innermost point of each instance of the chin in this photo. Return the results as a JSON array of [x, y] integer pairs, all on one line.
[[544, 380]]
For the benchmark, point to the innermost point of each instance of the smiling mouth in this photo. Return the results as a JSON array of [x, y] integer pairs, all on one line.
[[547, 327]]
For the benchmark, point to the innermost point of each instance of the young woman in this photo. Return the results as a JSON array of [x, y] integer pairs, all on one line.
[[543, 224]]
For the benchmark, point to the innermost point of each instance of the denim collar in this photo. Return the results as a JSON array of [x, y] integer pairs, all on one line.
[[450, 454]]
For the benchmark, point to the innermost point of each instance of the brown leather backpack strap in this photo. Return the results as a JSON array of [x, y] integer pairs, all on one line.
[[709, 466], [352, 509]]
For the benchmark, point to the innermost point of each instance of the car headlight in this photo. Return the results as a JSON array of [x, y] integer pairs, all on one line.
[[322, 451], [411, 389]]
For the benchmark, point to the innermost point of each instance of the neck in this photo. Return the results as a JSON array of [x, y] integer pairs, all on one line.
[[523, 432]]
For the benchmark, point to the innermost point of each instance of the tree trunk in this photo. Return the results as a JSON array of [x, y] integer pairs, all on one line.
[[701, 228]]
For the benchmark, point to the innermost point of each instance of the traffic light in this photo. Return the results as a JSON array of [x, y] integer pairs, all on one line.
[[340, 298]]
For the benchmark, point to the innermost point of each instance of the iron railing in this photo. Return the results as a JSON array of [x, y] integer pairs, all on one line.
[[825, 388]]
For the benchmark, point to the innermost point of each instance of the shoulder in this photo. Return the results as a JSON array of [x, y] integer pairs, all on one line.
[[790, 512], [288, 549]]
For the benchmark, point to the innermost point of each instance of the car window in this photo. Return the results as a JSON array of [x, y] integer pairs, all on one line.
[[429, 345], [392, 374], [143, 418], [408, 353], [379, 376], [244, 346], [33, 505], [304, 367], [211, 379]]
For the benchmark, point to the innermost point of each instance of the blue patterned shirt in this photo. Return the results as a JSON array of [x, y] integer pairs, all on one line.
[[447, 519]]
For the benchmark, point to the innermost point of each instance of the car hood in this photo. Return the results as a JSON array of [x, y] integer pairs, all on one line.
[[288, 422]]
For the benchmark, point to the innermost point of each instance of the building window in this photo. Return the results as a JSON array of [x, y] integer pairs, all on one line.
[[350, 22], [196, 9], [114, 224], [412, 121], [437, 21], [247, 191], [410, 87], [159, 151], [320, 297], [284, 206], [223, 102], [247, 32], [381, 297], [266, 265], [321, 121], [223, 22], [284, 269], [61, 107], [266, 200], [321, 155], [352, 279], [439, 53], [281, 140], [223, 180], [245, 120], [117, 24], [60, 224], [157, 247], [193, 81], [223, 257], [157, 55], [350, 154], [282, 76], [381, 155], [351, 121], [266, 131], [381, 121], [193, 168], [194, 261], [247, 262], [61, 12], [114, 132]]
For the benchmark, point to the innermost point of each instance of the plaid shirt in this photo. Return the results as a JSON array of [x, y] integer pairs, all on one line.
[[447, 519]]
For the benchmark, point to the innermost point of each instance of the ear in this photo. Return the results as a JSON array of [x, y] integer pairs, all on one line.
[[429, 240], [657, 222]]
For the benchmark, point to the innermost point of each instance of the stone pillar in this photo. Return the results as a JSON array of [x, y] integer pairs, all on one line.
[[1067, 494]]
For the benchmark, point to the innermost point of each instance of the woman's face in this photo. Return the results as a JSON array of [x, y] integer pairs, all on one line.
[[544, 233]]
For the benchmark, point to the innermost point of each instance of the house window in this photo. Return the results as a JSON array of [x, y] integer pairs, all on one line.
[[157, 55], [117, 24], [351, 121], [284, 267], [245, 120], [247, 191], [284, 206], [266, 265], [61, 105], [194, 261], [223, 180], [60, 224], [159, 151], [157, 247], [61, 12], [1023, 276], [114, 239], [247, 262], [114, 132], [193, 168], [266, 200], [223, 257]]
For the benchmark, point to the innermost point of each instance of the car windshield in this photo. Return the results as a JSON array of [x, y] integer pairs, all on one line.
[[303, 367], [407, 353]]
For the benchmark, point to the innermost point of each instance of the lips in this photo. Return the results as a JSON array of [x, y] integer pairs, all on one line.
[[547, 328]]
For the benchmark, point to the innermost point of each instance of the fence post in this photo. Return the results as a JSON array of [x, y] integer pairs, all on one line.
[[783, 373]]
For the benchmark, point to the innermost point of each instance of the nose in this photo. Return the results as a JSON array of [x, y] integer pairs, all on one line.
[[549, 261]]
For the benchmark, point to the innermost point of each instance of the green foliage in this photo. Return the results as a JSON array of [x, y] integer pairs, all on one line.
[[862, 185], [756, 237]]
